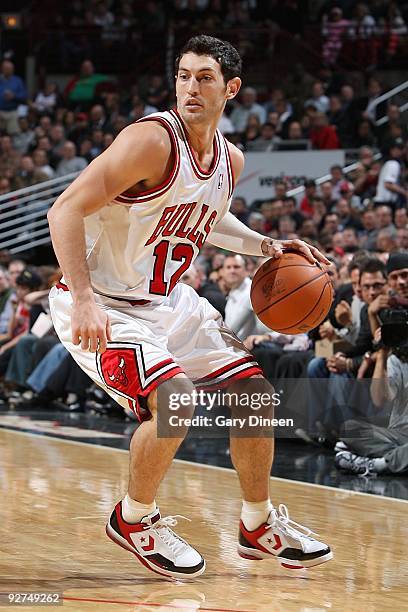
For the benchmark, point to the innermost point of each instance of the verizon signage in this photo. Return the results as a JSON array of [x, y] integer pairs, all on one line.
[[263, 170]]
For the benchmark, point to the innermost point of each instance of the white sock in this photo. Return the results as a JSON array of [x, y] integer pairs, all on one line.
[[254, 514], [380, 465], [133, 511]]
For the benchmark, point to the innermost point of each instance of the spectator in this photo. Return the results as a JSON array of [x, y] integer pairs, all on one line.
[[12, 94], [102, 16], [326, 192], [70, 162], [306, 206], [26, 282], [248, 106], [289, 208], [6, 304], [225, 125], [333, 29], [80, 90], [266, 141], [239, 209], [323, 135], [402, 238], [239, 314], [15, 268], [401, 218], [23, 140], [41, 163], [319, 100], [389, 188], [46, 100], [28, 174]]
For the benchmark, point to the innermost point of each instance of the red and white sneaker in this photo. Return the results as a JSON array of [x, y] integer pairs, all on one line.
[[279, 538], [155, 545]]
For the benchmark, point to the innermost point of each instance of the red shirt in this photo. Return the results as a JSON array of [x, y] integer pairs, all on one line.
[[325, 138]]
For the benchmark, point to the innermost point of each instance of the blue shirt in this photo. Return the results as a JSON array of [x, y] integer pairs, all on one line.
[[17, 87]]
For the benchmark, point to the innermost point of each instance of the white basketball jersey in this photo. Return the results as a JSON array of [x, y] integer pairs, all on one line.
[[139, 246]]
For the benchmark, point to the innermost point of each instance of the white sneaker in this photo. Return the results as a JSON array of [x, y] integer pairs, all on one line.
[[355, 464], [340, 446], [155, 545], [279, 538]]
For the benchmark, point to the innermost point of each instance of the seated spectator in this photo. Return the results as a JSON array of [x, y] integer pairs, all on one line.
[[339, 117], [70, 162], [323, 135], [386, 241], [268, 347], [239, 314], [23, 140], [318, 99], [401, 218], [46, 100], [102, 16], [364, 136], [290, 208], [272, 210], [239, 209], [28, 174], [6, 304], [247, 106], [41, 163], [257, 222], [266, 141], [19, 325], [306, 207], [326, 193]]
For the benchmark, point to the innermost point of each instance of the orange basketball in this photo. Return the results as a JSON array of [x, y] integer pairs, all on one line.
[[290, 295]]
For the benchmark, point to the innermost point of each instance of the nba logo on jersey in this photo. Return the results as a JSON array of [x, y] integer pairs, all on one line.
[[220, 181]]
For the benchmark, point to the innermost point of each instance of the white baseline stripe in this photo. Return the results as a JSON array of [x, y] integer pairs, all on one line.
[[206, 466]]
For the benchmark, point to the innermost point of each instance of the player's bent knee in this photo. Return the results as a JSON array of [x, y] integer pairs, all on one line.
[[173, 395], [253, 394]]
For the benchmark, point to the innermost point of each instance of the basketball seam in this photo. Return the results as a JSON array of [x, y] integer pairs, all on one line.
[[311, 280], [295, 265], [282, 329]]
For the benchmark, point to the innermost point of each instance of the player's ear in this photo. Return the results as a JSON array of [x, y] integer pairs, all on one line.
[[233, 87]]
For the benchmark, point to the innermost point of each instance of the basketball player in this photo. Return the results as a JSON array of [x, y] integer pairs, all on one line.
[[124, 233]]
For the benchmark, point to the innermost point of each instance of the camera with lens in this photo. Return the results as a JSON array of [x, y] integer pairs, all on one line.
[[394, 325]]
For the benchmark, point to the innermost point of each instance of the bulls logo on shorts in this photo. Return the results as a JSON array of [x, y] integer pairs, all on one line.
[[123, 370]]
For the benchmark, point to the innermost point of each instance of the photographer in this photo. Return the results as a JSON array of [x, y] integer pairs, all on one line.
[[385, 449], [374, 449]]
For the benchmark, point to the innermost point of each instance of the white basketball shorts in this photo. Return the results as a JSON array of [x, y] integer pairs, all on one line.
[[154, 342]]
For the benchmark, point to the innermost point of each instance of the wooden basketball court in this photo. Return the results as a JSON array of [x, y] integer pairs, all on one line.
[[56, 496]]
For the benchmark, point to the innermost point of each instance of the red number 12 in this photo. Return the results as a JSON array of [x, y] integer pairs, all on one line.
[[181, 252]]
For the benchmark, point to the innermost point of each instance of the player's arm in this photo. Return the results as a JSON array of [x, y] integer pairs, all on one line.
[[140, 153], [229, 233]]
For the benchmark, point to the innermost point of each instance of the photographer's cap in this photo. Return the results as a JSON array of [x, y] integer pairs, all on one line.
[[397, 261]]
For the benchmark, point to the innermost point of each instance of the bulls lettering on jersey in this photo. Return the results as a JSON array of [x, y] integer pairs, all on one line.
[[139, 246]]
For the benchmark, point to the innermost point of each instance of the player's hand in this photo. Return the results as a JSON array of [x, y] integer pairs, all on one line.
[[252, 341], [343, 313], [380, 302], [274, 248], [326, 330], [90, 327], [337, 364]]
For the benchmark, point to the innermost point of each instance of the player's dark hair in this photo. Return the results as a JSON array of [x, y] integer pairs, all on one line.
[[222, 51], [371, 266]]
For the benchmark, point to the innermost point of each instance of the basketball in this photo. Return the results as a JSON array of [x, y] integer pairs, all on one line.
[[291, 295]]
